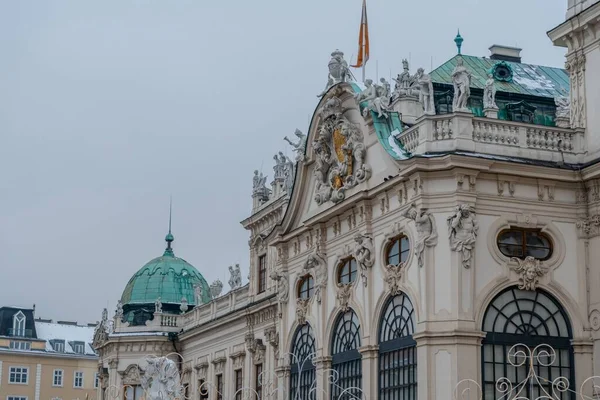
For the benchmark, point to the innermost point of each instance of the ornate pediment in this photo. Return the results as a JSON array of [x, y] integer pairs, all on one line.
[[339, 153], [131, 375]]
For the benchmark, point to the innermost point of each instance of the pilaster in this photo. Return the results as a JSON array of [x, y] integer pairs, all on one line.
[[323, 370], [445, 358], [370, 373]]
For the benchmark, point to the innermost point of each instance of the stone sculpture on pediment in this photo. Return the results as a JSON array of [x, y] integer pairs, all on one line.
[[406, 85], [299, 147], [462, 232], [339, 159], [317, 262], [259, 186], [235, 279], [338, 71], [530, 270], [131, 375], [376, 97], [426, 230], [161, 380], [364, 254], [461, 79]]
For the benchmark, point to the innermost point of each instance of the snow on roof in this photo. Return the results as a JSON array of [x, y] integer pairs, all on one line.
[[69, 333]]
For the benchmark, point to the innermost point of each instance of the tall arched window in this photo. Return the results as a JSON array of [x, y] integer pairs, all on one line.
[[397, 350], [530, 318], [345, 358], [302, 371]]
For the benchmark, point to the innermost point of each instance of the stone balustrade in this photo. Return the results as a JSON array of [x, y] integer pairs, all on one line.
[[465, 132]]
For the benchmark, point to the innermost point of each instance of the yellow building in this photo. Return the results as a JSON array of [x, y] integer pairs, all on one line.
[[42, 360]]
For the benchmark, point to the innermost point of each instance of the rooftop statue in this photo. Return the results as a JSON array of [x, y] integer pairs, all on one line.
[[425, 92], [198, 293], [489, 93], [338, 71], [461, 79], [288, 174], [259, 187], [158, 306], [563, 111], [406, 85], [216, 288], [376, 97], [299, 148], [235, 280]]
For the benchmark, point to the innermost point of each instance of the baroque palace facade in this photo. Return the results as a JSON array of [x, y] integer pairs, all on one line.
[[419, 234]]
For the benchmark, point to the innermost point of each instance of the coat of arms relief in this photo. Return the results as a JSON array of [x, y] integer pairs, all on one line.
[[339, 154]]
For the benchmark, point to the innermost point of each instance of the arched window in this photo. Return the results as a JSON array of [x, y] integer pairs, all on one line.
[[19, 324], [347, 271], [302, 371], [397, 350], [346, 360], [306, 287], [397, 250], [530, 318]]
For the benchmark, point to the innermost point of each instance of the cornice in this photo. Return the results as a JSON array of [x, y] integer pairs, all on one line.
[[575, 23], [49, 355]]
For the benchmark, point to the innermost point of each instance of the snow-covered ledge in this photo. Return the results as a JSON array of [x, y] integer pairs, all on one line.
[[464, 132]]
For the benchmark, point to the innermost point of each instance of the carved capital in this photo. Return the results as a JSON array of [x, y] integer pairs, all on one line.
[[589, 227]]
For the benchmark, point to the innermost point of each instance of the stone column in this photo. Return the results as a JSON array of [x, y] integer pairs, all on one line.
[[583, 350], [370, 370], [445, 358]]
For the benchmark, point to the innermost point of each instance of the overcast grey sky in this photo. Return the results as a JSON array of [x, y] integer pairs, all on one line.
[[109, 107]]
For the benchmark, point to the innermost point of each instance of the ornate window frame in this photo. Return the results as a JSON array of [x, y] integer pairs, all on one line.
[[298, 284], [341, 263], [391, 233], [527, 221]]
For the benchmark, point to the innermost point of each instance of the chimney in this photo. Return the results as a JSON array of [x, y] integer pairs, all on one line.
[[505, 53]]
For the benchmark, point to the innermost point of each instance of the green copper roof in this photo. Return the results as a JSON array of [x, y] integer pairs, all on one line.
[[168, 277], [527, 79]]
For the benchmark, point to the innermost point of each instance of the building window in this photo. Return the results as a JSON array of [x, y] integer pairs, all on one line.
[[17, 345], [397, 350], [346, 360], [58, 345], [219, 387], [19, 375], [347, 271], [57, 379], [133, 392], [306, 287], [522, 243], [203, 389], [530, 318], [78, 379], [262, 273], [397, 251], [16, 397], [96, 380], [258, 381], [302, 370], [19, 324], [239, 381], [78, 347]]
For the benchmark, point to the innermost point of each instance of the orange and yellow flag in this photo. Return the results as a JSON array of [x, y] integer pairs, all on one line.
[[363, 39]]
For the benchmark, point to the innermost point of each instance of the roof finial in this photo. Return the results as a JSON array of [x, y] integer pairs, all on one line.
[[169, 238], [458, 40]]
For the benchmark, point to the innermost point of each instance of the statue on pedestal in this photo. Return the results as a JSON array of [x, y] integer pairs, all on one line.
[[489, 94], [461, 78], [426, 92]]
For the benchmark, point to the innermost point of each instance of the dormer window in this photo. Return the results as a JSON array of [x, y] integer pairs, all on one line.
[[19, 324], [78, 347], [58, 345]]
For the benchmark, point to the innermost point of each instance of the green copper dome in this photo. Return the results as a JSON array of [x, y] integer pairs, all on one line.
[[169, 278]]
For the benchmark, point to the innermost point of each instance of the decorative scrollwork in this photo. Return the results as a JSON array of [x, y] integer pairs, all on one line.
[[522, 356]]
